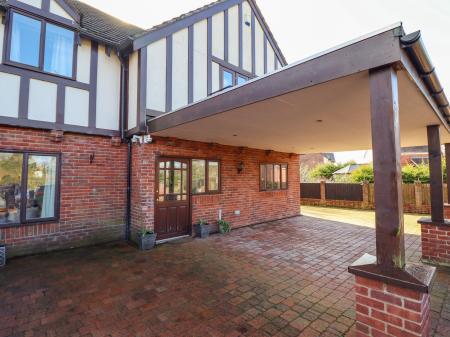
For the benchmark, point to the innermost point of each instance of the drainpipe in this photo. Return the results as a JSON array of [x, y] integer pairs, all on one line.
[[415, 48], [123, 109]]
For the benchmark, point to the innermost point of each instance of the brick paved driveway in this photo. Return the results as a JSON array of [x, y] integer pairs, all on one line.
[[285, 278]]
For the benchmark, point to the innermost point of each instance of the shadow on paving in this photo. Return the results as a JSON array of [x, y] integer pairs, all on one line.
[[285, 278]]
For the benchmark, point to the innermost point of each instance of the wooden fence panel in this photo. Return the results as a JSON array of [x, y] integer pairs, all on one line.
[[409, 194], [349, 192], [310, 190]]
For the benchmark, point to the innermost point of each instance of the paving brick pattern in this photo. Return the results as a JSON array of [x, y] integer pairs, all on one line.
[[285, 278]]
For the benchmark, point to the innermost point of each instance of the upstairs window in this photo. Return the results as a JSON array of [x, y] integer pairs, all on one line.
[[37, 44], [231, 78], [273, 177]]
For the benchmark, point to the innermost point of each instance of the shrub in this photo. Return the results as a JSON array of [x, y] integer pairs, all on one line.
[[362, 174]]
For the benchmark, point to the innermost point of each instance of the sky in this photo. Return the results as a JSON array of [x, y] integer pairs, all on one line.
[[304, 27]]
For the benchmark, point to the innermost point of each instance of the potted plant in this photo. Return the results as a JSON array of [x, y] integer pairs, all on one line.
[[224, 226], [202, 229], [146, 239]]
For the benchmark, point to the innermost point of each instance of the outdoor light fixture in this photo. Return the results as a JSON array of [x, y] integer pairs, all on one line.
[[240, 167]]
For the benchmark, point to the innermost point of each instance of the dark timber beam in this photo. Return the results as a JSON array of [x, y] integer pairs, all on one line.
[[447, 169], [436, 184], [387, 171]]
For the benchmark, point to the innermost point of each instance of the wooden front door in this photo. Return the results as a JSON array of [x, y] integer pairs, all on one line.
[[172, 211]]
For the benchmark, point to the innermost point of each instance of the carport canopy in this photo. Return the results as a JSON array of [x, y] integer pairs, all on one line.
[[380, 91], [320, 104]]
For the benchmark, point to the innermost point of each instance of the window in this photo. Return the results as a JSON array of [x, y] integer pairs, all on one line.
[[273, 177], [231, 78], [205, 176], [28, 188], [27, 35]]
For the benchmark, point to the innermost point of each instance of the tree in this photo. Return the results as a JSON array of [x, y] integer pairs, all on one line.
[[362, 174], [326, 171]]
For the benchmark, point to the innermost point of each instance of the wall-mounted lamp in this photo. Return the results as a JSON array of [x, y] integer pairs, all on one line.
[[91, 157], [240, 167]]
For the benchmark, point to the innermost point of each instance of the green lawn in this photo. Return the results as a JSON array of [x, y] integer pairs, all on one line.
[[358, 217]]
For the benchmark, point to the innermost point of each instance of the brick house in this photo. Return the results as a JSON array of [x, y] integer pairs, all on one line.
[[77, 84], [106, 129]]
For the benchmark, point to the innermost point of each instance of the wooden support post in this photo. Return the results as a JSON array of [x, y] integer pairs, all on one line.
[[447, 169], [436, 184], [387, 169], [323, 192]]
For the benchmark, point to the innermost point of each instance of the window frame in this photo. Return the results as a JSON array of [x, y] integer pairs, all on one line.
[[207, 191], [273, 170], [234, 74], [23, 221], [40, 67]]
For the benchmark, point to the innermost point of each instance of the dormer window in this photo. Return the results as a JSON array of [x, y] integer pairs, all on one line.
[[40, 45]]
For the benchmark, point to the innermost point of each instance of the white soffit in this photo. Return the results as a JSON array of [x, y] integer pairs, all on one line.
[[333, 116]]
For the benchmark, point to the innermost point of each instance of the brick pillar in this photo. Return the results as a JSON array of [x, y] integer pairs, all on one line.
[[365, 192], [387, 310], [436, 243], [323, 198]]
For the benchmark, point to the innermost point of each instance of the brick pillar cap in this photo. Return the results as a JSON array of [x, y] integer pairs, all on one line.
[[414, 276], [428, 221]]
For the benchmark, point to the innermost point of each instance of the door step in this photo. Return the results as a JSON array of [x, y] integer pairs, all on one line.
[[158, 242]]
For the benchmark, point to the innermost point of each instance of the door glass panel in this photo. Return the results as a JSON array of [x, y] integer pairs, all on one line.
[[176, 182], [161, 181], [283, 176], [161, 164], [168, 164], [263, 177], [177, 164], [269, 177], [184, 182]]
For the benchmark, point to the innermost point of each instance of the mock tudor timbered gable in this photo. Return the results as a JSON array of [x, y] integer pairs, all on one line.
[[189, 58], [56, 72]]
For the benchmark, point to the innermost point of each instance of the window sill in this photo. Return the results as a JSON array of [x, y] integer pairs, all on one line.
[[29, 223], [37, 70]]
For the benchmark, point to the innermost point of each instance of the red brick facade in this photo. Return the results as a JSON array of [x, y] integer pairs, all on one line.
[[436, 243], [93, 195], [239, 191], [387, 310]]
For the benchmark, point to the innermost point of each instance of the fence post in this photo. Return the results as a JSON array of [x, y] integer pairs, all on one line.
[[365, 194], [418, 195], [323, 199]]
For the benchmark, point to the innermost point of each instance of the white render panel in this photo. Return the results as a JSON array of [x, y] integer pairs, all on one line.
[[133, 90], [278, 64], [108, 90], [247, 36], [42, 101], [180, 62], [156, 75], [34, 3], [76, 107], [2, 34], [259, 49], [200, 60], [270, 58], [233, 35], [84, 61], [56, 9], [215, 77], [9, 95], [218, 35]]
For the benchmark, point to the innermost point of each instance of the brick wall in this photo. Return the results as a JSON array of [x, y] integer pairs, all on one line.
[[93, 195], [436, 243], [387, 310], [239, 191]]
